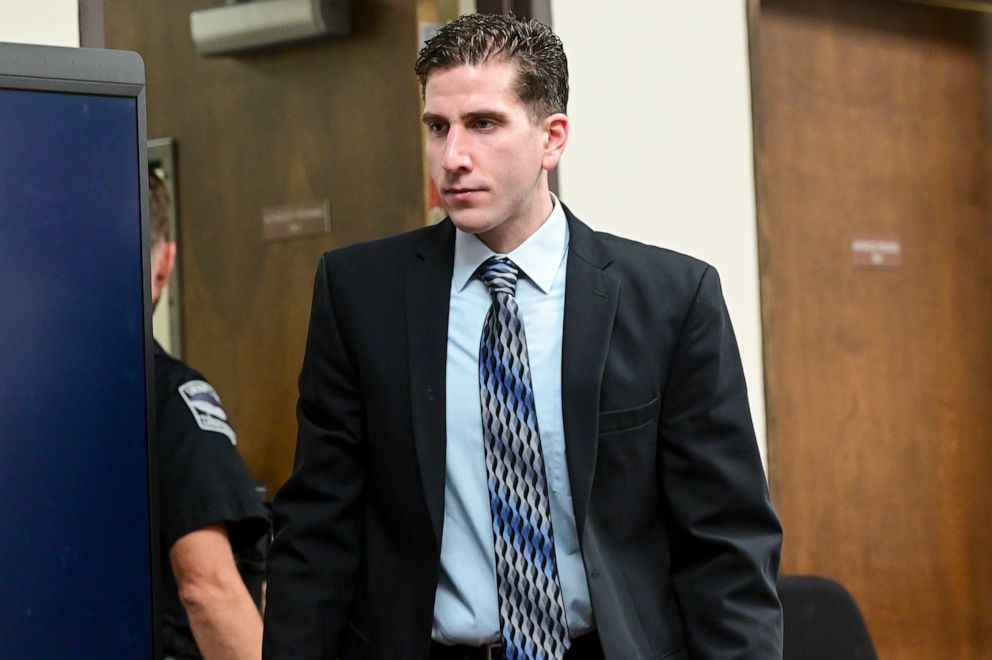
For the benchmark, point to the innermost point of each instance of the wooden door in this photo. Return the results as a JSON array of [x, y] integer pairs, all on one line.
[[333, 120], [872, 124]]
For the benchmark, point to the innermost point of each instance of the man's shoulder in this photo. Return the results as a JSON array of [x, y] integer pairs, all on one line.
[[628, 248], [394, 249], [633, 258], [171, 371], [186, 400]]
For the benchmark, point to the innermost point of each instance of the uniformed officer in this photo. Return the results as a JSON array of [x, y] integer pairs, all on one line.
[[208, 506]]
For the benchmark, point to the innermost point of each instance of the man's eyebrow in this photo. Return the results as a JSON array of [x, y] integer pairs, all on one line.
[[475, 115], [484, 114]]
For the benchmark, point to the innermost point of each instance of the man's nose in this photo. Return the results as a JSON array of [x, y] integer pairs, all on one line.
[[456, 156]]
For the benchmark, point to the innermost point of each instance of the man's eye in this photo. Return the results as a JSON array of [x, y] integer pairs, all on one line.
[[436, 128], [484, 124]]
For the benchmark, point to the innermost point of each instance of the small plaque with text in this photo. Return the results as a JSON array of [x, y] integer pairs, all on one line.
[[296, 221], [876, 253]]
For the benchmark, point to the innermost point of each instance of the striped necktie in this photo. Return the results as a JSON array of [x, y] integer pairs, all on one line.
[[531, 607]]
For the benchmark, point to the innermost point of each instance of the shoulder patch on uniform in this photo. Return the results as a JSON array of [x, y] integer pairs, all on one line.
[[206, 407]]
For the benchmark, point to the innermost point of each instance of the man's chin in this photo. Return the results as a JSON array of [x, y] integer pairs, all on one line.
[[471, 224]]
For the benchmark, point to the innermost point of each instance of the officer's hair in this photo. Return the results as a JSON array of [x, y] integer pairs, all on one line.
[[158, 209], [474, 39]]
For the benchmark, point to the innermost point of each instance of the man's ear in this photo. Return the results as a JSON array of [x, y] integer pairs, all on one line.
[[555, 138], [163, 261]]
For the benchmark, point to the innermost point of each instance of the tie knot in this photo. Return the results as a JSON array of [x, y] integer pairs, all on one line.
[[500, 275]]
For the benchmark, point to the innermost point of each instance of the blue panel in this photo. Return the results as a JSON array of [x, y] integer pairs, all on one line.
[[73, 450]]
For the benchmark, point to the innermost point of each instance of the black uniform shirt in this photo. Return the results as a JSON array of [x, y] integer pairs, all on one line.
[[202, 480]]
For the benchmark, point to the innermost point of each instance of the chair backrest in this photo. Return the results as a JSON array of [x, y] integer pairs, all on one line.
[[822, 621]]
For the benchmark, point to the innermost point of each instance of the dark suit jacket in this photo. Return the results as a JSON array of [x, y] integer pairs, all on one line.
[[680, 542]]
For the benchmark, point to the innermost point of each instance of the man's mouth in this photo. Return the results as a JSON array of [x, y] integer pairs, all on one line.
[[461, 194]]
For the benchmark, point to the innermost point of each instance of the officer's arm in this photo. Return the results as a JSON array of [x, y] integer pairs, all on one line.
[[224, 619]]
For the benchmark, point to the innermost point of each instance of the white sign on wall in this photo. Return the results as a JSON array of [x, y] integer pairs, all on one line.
[[44, 22]]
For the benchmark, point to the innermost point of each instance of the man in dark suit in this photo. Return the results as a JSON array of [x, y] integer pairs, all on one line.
[[518, 437]]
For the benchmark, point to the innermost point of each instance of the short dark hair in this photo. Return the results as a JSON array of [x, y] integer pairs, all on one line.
[[158, 209], [473, 39]]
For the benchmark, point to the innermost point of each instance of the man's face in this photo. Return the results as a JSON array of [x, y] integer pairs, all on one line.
[[488, 159], [163, 258]]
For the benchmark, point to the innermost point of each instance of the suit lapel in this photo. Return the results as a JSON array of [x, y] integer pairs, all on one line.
[[590, 307], [428, 289]]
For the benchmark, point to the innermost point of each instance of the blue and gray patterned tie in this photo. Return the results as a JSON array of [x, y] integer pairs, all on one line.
[[531, 608]]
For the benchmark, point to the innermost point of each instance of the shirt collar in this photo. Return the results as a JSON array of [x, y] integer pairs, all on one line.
[[538, 257]]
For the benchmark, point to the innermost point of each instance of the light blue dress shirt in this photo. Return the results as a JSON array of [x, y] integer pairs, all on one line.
[[466, 608]]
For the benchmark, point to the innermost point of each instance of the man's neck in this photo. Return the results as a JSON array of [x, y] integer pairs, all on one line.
[[509, 235]]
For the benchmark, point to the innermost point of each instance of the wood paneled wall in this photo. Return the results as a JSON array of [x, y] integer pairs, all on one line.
[[872, 121], [336, 120]]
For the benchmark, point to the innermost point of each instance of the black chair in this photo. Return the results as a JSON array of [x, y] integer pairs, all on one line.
[[822, 621]]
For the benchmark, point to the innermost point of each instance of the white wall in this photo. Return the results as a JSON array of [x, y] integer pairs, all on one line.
[[46, 22], [660, 148]]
